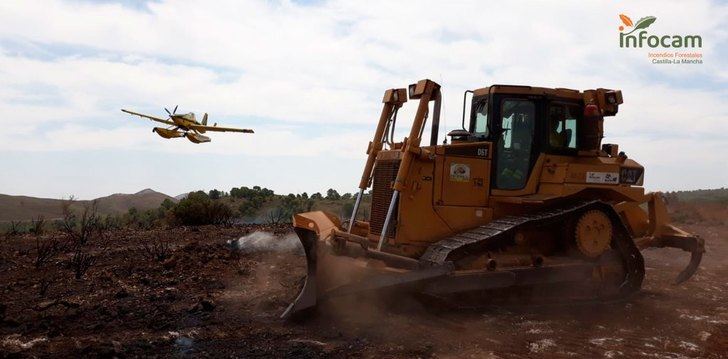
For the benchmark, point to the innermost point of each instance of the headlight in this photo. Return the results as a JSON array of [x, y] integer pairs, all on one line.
[[628, 175], [611, 98]]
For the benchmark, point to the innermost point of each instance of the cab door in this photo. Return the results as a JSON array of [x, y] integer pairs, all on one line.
[[515, 141]]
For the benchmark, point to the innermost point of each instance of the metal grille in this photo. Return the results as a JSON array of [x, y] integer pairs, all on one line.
[[385, 172]]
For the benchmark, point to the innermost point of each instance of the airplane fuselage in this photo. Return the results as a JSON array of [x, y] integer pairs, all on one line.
[[185, 121], [184, 128]]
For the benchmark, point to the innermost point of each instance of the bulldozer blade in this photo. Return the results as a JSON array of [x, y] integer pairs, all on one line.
[[318, 287], [306, 300]]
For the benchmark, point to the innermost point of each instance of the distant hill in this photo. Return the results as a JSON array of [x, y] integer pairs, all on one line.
[[21, 208]]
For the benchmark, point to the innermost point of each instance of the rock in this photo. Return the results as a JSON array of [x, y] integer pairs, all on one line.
[[46, 304], [704, 335], [310, 342], [50, 303]]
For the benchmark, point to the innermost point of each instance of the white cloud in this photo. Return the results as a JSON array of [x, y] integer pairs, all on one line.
[[309, 78]]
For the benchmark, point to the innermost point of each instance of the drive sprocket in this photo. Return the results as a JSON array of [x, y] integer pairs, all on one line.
[[593, 233]]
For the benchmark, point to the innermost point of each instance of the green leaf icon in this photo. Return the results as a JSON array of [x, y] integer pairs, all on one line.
[[643, 23]]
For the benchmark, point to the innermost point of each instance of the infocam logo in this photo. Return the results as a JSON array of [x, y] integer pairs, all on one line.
[[642, 38]]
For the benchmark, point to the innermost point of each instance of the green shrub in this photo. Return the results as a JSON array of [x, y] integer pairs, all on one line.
[[37, 225], [248, 208], [199, 209], [332, 194], [16, 228], [167, 204]]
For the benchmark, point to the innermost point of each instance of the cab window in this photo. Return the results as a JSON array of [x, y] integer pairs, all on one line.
[[480, 125], [562, 125]]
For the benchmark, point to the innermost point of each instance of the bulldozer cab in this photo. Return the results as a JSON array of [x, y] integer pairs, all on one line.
[[521, 124]]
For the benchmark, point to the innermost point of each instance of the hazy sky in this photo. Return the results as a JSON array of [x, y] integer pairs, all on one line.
[[309, 76]]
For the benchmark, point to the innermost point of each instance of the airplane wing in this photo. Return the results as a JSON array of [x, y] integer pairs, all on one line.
[[221, 129], [149, 117]]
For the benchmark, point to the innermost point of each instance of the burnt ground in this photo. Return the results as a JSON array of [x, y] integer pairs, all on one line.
[[206, 300]]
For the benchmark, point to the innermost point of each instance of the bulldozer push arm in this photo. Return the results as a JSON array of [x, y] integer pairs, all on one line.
[[425, 91], [393, 100], [574, 229]]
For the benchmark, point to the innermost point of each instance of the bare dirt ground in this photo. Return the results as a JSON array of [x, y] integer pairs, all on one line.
[[206, 300]]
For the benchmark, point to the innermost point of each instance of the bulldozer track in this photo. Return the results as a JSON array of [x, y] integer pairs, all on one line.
[[500, 233]]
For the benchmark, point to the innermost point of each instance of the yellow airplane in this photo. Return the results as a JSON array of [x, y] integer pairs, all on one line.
[[185, 125]]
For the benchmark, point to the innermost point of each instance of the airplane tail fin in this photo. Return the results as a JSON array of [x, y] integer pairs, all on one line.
[[204, 119]]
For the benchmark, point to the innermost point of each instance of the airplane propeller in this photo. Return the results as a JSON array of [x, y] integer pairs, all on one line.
[[173, 111]]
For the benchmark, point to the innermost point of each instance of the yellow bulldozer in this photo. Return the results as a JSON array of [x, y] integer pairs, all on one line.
[[523, 201]]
